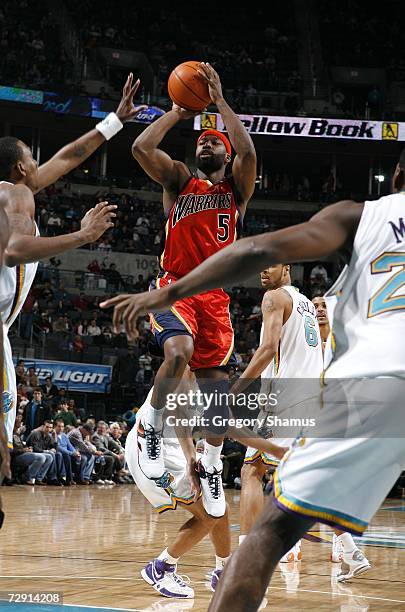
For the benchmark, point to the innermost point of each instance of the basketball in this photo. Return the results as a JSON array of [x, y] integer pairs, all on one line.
[[187, 88]]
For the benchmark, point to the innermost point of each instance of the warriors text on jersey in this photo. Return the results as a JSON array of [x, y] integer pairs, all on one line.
[[204, 219]]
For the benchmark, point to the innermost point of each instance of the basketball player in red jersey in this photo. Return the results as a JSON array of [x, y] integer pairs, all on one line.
[[204, 214]]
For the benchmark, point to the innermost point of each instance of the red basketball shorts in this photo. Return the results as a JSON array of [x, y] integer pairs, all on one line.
[[204, 317]]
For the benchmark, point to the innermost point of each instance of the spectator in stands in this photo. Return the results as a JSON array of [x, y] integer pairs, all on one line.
[[79, 412], [44, 323], [33, 380], [70, 455], [47, 292], [22, 399], [49, 390], [104, 443], [104, 246], [94, 268], [41, 441], [27, 315], [116, 432], [78, 345], [60, 325], [61, 395], [80, 440], [21, 373], [81, 328], [36, 412], [93, 329], [65, 415], [114, 278], [81, 303], [35, 465], [54, 225], [319, 274]]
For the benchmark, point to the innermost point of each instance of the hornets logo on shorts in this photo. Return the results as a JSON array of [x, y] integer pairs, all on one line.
[[8, 402]]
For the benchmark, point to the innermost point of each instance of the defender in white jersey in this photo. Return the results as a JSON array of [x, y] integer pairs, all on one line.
[[369, 316], [20, 179], [290, 348]]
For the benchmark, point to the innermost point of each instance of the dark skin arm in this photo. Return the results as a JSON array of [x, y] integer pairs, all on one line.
[[327, 231], [76, 152], [25, 247], [276, 309], [158, 165], [244, 165], [4, 453]]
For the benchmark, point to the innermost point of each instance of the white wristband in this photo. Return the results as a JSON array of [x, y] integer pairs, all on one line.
[[109, 126]]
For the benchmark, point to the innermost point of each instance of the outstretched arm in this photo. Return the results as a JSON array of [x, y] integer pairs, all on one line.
[[24, 247], [326, 232], [76, 152], [244, 165], [169, 173]]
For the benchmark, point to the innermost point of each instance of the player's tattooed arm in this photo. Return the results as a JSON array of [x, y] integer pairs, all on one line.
[[274, 304], [244, 166], [76, 152]]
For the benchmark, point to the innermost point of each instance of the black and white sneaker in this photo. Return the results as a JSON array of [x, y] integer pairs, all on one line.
[[150, 456], [212, 490]]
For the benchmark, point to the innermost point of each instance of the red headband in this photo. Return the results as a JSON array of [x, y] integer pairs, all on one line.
[[219, 135]]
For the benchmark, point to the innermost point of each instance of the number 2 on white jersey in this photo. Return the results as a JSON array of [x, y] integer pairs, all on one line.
[[384, 299]]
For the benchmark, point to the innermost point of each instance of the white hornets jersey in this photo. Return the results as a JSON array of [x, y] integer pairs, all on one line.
[[299, 353], [15, 284], [369, 317]]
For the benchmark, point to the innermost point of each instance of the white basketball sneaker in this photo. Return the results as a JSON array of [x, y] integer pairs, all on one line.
[[294, 554], [336, 555], [353, 564], [150, 455], [212, 490], [163, 578]]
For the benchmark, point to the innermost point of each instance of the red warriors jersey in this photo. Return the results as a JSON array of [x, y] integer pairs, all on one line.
[[204, 219]]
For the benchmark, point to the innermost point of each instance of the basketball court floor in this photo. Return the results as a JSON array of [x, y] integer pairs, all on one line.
[[89, 545]]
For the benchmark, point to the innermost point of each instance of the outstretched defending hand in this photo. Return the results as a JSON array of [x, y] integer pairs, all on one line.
[[126, 109], [97, 220], [128, 307], [214, 82]]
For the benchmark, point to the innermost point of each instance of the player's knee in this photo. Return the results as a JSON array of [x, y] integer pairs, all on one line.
[[250, 471], [176, 360]]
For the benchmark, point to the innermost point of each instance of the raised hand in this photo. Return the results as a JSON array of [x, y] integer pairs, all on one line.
[[214, 82], [126, 109], [97, 220]]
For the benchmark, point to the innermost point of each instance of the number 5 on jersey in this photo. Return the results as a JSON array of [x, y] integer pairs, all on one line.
[[223, 227]]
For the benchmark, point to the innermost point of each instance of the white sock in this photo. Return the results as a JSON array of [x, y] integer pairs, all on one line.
[[347, 542], [152, 416], [164, 556], [220, 562], [212, 455], [241, 538]]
